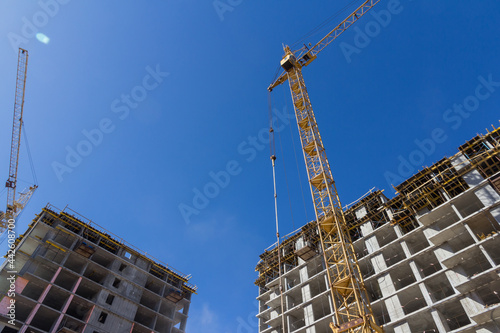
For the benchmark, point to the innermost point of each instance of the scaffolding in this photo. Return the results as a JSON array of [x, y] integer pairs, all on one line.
[[424, 191], [99, 236], [445, 179], [369, 208], [373, 209]]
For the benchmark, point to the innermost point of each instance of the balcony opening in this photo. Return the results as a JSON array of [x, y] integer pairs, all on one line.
[[427, 264], [454, 315], [110, 299], [402, 276], [439, 288], [116, 282], [102, 317]]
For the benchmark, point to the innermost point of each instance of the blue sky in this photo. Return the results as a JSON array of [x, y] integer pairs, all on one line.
[[173, 96]]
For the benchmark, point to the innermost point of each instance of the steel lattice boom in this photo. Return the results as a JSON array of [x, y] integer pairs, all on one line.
[[305, 56], [349, 297], [14, 206]]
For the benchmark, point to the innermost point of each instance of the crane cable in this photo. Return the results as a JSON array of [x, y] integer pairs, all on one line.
[[29, 154], [278, 250], [296, 159], [286, 181], [322, 25], [315, 31]]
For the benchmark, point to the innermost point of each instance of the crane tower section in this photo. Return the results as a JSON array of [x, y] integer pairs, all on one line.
[[14, 207], [349, 297]]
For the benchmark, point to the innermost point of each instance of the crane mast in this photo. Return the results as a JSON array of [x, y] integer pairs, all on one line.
[[352, 310], [14, 207]]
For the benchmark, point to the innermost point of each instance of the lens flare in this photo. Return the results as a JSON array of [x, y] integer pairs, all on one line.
[[42, 38]]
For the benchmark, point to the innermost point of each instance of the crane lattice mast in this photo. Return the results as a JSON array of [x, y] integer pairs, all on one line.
[[14, 207], [352, 310]]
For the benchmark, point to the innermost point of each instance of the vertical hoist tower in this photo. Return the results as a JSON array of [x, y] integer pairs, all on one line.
[[15, 206], [352, 311]]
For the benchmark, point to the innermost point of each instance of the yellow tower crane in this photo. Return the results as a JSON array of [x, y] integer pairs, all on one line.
[[352, 310], [16, 205]]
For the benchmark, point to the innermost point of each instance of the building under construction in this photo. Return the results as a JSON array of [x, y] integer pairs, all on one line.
[[429, 257], [72, 276]]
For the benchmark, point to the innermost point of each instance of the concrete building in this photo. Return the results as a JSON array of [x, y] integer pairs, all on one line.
[[72, 276], [429, 257]]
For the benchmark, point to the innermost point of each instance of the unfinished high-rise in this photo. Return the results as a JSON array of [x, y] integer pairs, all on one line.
[[71, 276], [429, 257]]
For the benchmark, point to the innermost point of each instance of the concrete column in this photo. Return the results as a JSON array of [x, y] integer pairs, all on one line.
[[406, 249], [66, 306], [40, 300], [440, 322], [184, 320], [456, 276], [415, 271], [308, 315], [90, 316], [471, 233], [66, 255], [289, 282], [289, 323], [360, 212], [306, 293], [274, 313], [487, 195], [366, 229], [329, 296], [394, 308], [459, 161], [425, 320], [274, 293], [398, 231], [443, 252], [386, 286], [289, 302], [486, 254], [371, 244], [473, 178], [262, 307], [311, 330], [456, 211], [429, 232], [402, 328], [389, 213], [496, 214], [472, 304], [378, 263], [298, 245], [444, 194], [425, 293], [303, 274]]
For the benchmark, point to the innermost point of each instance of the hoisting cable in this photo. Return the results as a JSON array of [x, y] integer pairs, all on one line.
[[276, 74], [296, 160], [286, 181], [29, 155], [324, 23], [278, 250]]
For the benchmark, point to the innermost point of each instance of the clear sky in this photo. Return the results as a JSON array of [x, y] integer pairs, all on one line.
[[134, 108]]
